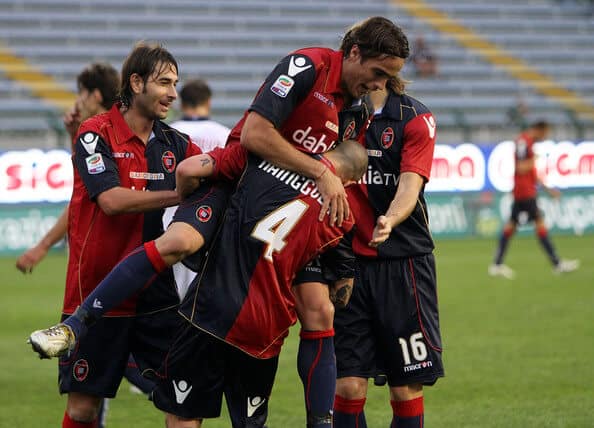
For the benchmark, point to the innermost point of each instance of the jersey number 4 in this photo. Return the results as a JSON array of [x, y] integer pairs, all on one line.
[[274, 228]]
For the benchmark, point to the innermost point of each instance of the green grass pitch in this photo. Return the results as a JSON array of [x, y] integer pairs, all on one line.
[[517, 353]]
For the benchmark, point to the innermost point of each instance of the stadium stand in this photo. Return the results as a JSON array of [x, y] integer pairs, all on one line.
[[490, 54]]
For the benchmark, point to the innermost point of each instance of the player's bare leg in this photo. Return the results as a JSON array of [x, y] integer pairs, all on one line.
[[81, 410], [498, 268], [315, 360], [173, 421], [179, 241], [351, 393], [559, 265]]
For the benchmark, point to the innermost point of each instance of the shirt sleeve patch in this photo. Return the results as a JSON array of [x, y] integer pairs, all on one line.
[[282, 86], [95, 164]]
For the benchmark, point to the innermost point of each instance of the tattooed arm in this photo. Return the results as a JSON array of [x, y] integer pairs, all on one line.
[[191, 171]]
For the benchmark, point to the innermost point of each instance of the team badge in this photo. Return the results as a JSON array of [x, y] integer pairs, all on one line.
[[80, 371], [204, 213], [387, 138], [282, 86], [349, 131], [168, 160], [95, 164]]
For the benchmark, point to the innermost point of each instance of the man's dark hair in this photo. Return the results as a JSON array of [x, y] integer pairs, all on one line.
[[376, 36], [101, 76], [195, 93], [144, 60], [540, 125]]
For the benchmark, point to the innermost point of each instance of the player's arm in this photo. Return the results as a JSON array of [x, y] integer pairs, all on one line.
[[260, 134], [338, 266], [415, 167], [121, 200], [191, 171], [93, 159], [524, 166], [401, 207], [221, 163], [553, 193], [30, 258]]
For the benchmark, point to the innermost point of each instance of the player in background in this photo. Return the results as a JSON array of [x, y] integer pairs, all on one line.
[[124, 176], [391, 324], [98, 86], [242, 304], [524, 207], [195, 96]]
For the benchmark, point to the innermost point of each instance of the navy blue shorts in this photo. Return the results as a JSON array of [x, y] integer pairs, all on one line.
[[312, 272], [97, 364], [525, 211], [203, 210], [199, 369], [391, 324]]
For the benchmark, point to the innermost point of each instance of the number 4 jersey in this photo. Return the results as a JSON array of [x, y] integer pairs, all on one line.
[[270, 231]]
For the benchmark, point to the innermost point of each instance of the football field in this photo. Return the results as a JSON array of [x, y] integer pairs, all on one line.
[[517, 353]]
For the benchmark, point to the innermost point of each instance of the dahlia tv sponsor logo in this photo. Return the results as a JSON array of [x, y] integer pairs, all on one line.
[[457, 168], [310, 142]]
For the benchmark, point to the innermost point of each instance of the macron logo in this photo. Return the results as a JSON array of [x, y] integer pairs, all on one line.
[[182, 389], [97, 304], [253, 404], [297, 65], [89, 142], [430, 125]]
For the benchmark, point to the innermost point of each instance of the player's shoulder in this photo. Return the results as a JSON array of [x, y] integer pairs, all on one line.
[[411, 107], [96, 123], [317, 55], [172, 134]]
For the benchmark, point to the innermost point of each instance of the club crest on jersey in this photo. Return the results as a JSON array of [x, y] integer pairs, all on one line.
[[282, 86], [204, 213], [349, 131], [168, 160], [80, 370], [387, 138], [95, 164]]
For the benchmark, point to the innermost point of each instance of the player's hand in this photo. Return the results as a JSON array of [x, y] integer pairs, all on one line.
[[72, 122], [381, 232], [334, 198], [30, 258], [555, 193]]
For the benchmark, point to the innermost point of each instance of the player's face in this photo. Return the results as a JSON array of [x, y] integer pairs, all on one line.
[[88, 103], [158, 94], [361, 76]]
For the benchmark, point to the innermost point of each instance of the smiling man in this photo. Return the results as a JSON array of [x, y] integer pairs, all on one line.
[[124, 175]]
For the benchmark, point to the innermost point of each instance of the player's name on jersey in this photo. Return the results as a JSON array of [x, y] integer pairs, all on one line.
[[304, 185]]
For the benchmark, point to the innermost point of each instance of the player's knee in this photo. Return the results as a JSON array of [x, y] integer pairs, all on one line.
[[406, 392], [83, 411], [351, 388], [318, 315], [174, 247]]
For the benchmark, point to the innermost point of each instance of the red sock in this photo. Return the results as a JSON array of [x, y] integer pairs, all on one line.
[[67, 422], [408, 414], [349, 413]]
